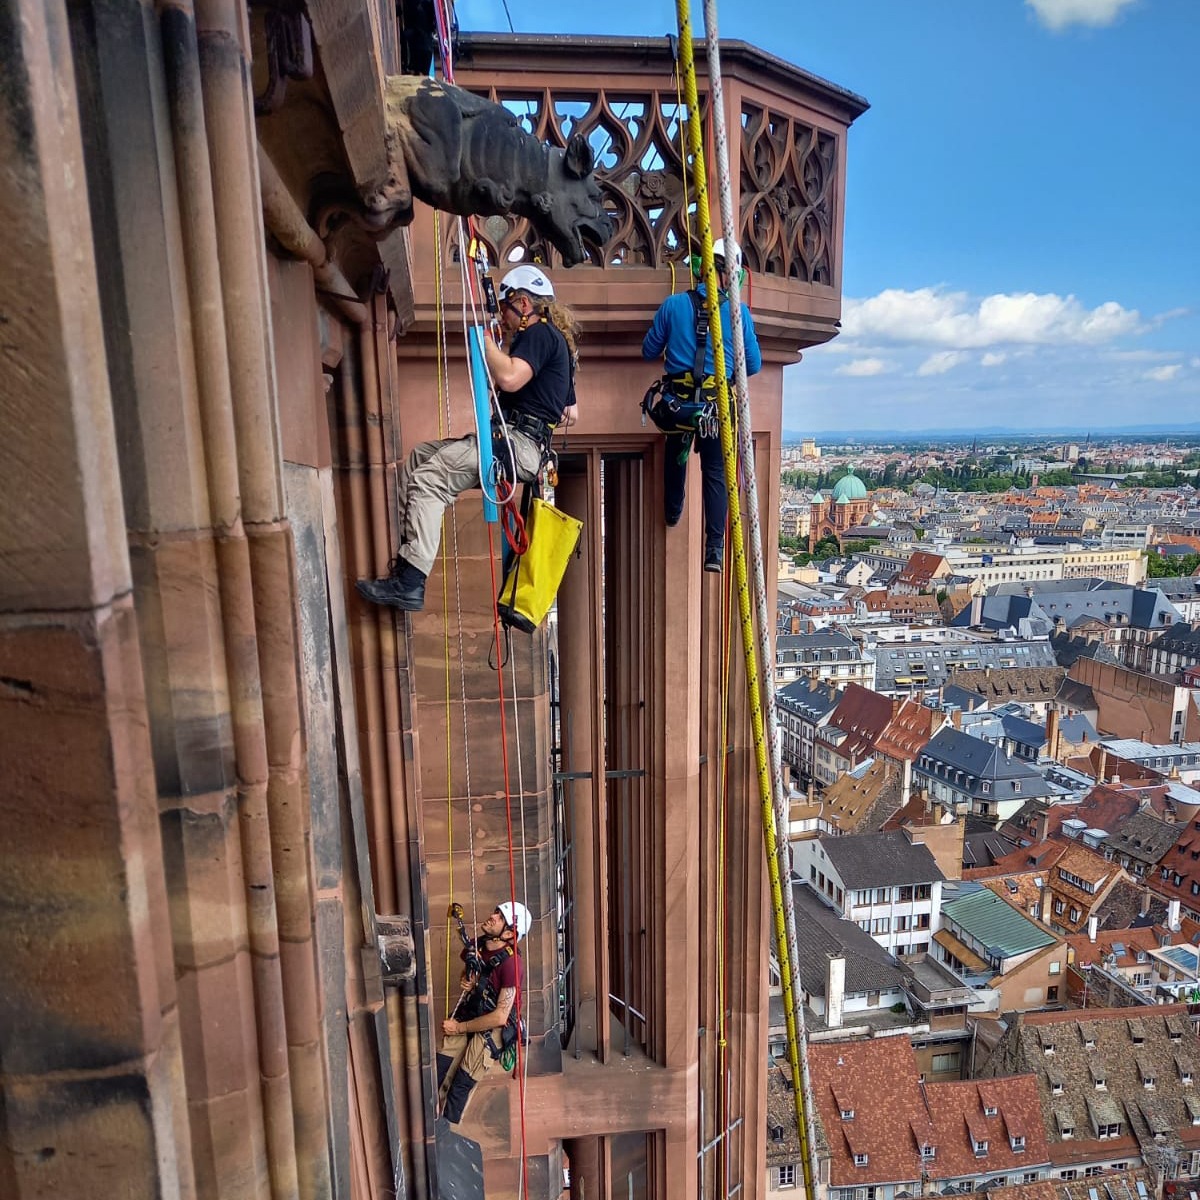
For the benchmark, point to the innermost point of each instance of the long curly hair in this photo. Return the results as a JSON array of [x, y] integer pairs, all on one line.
[[560, 316]]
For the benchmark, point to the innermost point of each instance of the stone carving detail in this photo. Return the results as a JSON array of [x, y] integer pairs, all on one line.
[[634, 137], [289, 54], [788, 175], [463, 154], [787, 181]]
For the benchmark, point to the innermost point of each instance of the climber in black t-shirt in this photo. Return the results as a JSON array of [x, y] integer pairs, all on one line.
[[535, 379]]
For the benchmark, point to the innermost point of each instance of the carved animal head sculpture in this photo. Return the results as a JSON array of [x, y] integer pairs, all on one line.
[[463, 154], [571, 208]]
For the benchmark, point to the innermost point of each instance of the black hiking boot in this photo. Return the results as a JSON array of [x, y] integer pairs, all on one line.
[[714, 559], [403, 587]]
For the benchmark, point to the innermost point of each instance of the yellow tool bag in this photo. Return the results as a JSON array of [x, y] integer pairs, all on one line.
[[532, 579]]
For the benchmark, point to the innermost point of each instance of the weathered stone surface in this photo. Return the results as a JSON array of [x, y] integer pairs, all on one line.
[[76, 847]]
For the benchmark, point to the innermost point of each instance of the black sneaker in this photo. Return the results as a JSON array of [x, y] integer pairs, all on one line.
[[714, 559], [403, 587]]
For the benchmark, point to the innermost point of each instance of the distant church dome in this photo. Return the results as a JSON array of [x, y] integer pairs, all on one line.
[[848, 488]]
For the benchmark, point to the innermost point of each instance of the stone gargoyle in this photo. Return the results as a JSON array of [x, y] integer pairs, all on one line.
[[462, 154]]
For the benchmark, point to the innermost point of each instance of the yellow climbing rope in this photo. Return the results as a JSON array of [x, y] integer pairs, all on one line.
[[729, 454]]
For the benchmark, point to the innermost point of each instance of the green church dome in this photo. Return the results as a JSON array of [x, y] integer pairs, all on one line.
[[849, 487]]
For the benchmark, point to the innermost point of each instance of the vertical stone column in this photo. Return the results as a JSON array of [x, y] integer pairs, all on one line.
[[675, 727], [580, 633], [92, 1074], [174, 521]]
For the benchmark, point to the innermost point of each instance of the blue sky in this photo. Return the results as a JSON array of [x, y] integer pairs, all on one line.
[[1022, 242]]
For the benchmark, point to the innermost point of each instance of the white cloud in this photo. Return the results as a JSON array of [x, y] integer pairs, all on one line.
[[864, 366], [935, 316], [941, 362], [1058, 14], [1163, 374], [992, 359]]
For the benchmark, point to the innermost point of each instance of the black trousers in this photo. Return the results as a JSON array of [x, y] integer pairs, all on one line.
[[712, 473]]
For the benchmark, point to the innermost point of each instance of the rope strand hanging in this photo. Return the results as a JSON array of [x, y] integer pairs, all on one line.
[[784, 943]]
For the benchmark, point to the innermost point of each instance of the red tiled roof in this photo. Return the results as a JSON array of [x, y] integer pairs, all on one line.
[[863, 714], [884, 1072], [959, 1115], [1131, 941], [909, 731]]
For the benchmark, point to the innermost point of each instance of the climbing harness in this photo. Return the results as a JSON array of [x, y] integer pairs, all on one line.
[[687, 402], [779, 874], [481, 997]]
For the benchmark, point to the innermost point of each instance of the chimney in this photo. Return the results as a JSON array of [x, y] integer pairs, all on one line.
[[1102, 765], [1093, 927], [1052, 733], [976, 610], [1047, 898], [835, 990], [1173, 916], [1147, 900]]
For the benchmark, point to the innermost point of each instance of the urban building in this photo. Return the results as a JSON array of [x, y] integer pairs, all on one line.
[[1125, 703], [803, 708], [827, 656], [1008, 960], [835, 515], [847, 739], [965, 774], [889, 884], [923, 668], [1174, 651]]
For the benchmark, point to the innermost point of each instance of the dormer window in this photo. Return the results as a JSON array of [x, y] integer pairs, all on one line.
[[928, 1152], [847, 1114], [981, 1147], [1017, 1142], [777, 1133], [860, 1160], [989, 1110]]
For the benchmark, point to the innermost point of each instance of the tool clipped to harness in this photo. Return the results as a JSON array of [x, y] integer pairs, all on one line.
[[685, 403], [482, 998]]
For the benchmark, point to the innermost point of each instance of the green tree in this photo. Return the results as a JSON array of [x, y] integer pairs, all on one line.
[[1160, 566]]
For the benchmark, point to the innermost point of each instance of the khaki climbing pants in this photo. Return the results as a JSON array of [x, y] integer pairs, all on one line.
[[433, 476], [470, 1059]]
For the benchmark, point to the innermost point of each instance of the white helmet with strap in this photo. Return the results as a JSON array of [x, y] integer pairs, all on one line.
[[516, 916], [527, 278]]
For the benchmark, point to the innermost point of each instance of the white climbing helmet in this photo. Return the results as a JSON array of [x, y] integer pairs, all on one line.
[[526, 278], [514, 912], [719, 253]]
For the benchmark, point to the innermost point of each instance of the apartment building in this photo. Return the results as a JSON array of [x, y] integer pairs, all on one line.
[[827, 656], [889, 884]]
